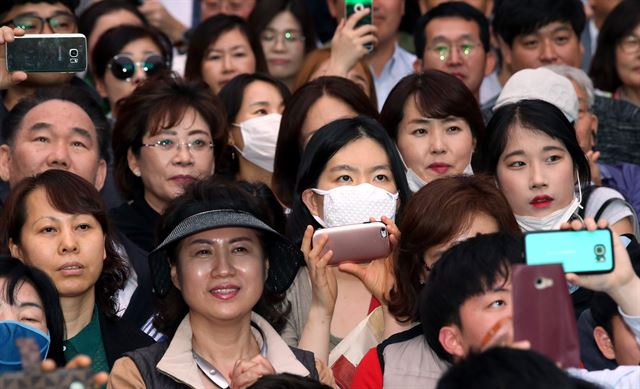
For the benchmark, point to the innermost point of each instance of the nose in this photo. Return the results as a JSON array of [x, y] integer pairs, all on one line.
[[68, 242], [436, 144], [227, 64], [183, 155], [536, 176], [139, 75], [59, 156], [223, 265], [548, 53], [454, 57], [279, 44], [46, 29]]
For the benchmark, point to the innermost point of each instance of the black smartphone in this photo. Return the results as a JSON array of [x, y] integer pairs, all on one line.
[[353, 6], [36, 53], [582, 252]]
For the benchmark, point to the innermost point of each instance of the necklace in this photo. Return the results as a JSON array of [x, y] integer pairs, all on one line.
[[214, 374]]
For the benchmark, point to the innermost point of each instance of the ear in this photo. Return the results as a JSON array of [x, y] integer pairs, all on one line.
[[101, 174], [310, 199], [266, 269], [331, 5], [104, 254], [506, 51], [5, 162], [101, 88], [417, 65], [175, 280], [451, 340], [15, 250], [132, 161], [604, 343], [490, 62]]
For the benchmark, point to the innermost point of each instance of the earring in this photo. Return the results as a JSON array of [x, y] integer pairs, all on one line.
[[137, 173]]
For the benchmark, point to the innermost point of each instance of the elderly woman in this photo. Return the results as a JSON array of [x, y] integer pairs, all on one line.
[[222, 271]]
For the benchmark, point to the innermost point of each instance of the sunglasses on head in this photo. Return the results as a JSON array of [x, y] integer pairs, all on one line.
[[123, 67]]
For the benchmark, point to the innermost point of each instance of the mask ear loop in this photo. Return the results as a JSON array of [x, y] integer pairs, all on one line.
[[579, 191]]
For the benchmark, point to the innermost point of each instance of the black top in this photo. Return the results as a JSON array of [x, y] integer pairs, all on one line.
[[137, 221]]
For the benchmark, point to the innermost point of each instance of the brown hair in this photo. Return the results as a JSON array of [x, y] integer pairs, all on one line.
[[161, 103], [434, 215], [70, 194], [314, 59]]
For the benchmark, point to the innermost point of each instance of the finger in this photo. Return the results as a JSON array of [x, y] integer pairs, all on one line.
[[572, 278], [521, 345], [318, 247], [18, 76], [590, 224], [100, 379], [79, 361], [577, 225], [355, 269], [305, 247], [355, 18], [603, 223], [48, 365], [565, 226]]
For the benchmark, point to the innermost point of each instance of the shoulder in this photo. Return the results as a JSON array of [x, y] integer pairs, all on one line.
[[404, 55], [125, 374]]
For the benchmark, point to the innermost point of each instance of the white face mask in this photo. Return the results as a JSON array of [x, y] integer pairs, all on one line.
[[354, 204], [550, 222], [415, 182], [260, 136]]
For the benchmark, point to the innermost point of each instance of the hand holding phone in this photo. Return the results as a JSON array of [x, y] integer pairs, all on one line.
[[7, 79], [357, 6], [323, 280]]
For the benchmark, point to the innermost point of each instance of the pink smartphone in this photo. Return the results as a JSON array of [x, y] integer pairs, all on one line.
[[357, 243]]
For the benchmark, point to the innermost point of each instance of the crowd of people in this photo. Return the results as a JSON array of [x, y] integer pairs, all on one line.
[[159, 211]]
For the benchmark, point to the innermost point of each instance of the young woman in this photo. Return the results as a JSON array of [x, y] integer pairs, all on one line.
[[350, 172], [168, 134], [615, 64], [287, 35], [311, 107], [254, 105], [436, 123], [221, 271], [447, 211], [220, 48], [125, 57], [56, 222]]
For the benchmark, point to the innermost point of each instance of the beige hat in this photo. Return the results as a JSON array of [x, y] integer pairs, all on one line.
[[541, 84]]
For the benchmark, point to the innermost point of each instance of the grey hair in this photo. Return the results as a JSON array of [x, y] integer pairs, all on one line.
[[579, 77]]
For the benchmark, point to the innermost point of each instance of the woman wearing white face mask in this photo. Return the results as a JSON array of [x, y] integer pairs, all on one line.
[[254, 105], [350, 172], [436, 123]]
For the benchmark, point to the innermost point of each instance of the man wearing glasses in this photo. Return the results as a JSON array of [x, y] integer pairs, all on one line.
[[454, 38]]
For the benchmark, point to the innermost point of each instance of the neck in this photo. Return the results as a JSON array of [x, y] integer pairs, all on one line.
[[289, 82], [15, 93], [504, 74], [382, 54], [250, 172], [631, 95], [77, 312], [156, 205], [222, 343]]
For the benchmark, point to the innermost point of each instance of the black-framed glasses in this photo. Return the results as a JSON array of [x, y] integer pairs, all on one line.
[[630, 44], [32, 24], [123, 67], [269, 35], [443, 50], [168, 145]]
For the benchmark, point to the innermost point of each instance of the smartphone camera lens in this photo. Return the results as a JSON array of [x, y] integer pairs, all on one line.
[[383, 232], [73, 53], [599, 250]]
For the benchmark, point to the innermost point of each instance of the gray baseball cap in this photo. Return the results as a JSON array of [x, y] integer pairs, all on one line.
[[284, 257]]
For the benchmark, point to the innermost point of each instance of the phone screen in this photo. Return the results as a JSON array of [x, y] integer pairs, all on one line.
[[578, 251]]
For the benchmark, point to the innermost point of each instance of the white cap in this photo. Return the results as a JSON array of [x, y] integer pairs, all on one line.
[[541, 84]]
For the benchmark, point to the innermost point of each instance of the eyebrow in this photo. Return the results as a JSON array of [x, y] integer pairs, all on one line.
[[342, 167], [40, 126], [380, 167], [210, 241], [461, 37], [521, 152], [32, 304], [260, 103], [229, 49]]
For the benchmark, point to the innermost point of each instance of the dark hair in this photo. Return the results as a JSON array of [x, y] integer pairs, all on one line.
[[537, 116], [436, 95], [468, 269], [265, 11], [622, 20], [324, 144], [520, 17], [115, 39], [68, 93], [208, 32], [505, 367], [15, 274], [231, 95], [268, 204], [7, 5], [454, 9], [73, 195], [162, 102], [287, 381], [90, 16], [290, 143], [209, 194], [435, 215], [603, 309]]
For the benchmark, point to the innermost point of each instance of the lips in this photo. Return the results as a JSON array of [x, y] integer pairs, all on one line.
[[541, 201], [459, 76], [71, 269], [440, 168], [183, 179], [224, 292], [279, 61]]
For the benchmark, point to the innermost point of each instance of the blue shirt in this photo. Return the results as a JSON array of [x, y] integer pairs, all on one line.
[[398, 66]]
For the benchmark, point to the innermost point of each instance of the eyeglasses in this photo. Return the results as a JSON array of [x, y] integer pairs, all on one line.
[[123, 67], [270, 35], [630, 44], [194, 146], [443, 50], [32, 24]]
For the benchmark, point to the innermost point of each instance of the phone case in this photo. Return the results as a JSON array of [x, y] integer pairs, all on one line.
[[353, 6], [355, 243], [543, 313], [34, 53], [581, 251]]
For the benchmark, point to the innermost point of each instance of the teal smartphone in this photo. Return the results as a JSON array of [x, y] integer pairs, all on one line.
[[582, 252], [60, 53], [353, 6]]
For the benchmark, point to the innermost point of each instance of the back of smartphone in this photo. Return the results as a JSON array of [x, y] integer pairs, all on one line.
[[353, 6], [543, 313], [356, 242], [581, 251], [34, 53]]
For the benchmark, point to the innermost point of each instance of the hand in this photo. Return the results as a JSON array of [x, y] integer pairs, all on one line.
[[246, 372], [323, 280], [377, 275], [347, 44], [7, 35], [622, 284], [592, 157], [78, 362], [160, 18]]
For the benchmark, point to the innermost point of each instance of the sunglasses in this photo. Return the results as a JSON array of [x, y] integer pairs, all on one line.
[[123, 67]]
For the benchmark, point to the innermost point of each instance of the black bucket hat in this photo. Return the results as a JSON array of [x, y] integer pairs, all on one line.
[[284, 257]]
